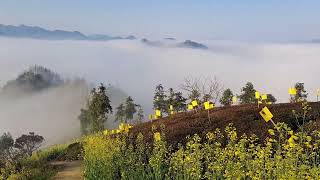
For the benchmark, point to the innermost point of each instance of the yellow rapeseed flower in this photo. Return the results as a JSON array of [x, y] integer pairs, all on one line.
[[309, 138], [157, 136], [271, 132]]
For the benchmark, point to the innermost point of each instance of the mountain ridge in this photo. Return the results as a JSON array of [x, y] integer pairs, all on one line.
[[36, 32]]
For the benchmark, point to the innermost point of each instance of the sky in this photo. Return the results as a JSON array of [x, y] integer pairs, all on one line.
[[245, 20]]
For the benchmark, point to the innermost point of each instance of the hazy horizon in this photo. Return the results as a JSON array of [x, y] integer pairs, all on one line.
[[263, 21]]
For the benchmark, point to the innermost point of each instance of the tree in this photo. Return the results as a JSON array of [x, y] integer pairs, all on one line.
[[176, 100], [180, 102], [130, 109], [140, 115], [6, 148], [98, 108], [202, 89], [271, 98], [159, 100], [248, 94], [226, 98], [120, 113], [301, 92], [29, 143]]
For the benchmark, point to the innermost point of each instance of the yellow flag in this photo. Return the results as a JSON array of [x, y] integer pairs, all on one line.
[[194, 103], [234, 99], [121, 126], [266, 114], [158, 113], [211, 106], [264, 97], [292, 91], [257, 95], [190, 107], [207, 105], [105, 132], [171, 107]]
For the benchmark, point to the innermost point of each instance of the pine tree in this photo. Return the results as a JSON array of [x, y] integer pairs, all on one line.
[[159, 100], [95, 116], [120, 113], [171, 100], [180, 102], [130, 109], [248, 94], [140, 115], [301, 92], [176, 100], [271, 98], [226, 98]]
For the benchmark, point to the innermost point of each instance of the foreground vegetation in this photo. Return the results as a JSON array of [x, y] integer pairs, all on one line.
[[33, 167], [221, 155]]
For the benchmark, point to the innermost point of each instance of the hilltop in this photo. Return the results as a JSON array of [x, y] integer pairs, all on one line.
[[245, 118]]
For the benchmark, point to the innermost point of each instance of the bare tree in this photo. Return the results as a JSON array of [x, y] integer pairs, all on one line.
[[202, 89]]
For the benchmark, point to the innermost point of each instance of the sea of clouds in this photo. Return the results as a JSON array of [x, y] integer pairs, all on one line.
[[137, 68]]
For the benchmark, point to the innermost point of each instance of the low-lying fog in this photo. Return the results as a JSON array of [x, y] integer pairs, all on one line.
[[136, 69]]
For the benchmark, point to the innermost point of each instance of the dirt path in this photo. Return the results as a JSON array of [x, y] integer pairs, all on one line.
[[68, 170]]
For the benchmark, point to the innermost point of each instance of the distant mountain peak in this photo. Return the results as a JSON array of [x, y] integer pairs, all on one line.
[[35, 32], [192, 44]]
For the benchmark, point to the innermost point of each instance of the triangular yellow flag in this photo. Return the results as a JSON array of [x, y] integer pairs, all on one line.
[[266, 114], [190, 107]]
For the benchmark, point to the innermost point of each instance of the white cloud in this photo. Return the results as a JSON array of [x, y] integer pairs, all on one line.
[[136, 68]]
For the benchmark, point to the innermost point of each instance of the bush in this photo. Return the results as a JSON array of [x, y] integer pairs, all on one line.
[[34, 167]]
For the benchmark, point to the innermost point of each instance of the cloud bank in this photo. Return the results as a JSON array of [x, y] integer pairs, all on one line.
[[137, 68]]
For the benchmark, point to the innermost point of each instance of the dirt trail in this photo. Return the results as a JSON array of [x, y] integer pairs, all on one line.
[[68, 170]]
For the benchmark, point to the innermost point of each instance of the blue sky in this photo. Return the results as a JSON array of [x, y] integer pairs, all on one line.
[[262, 20]]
